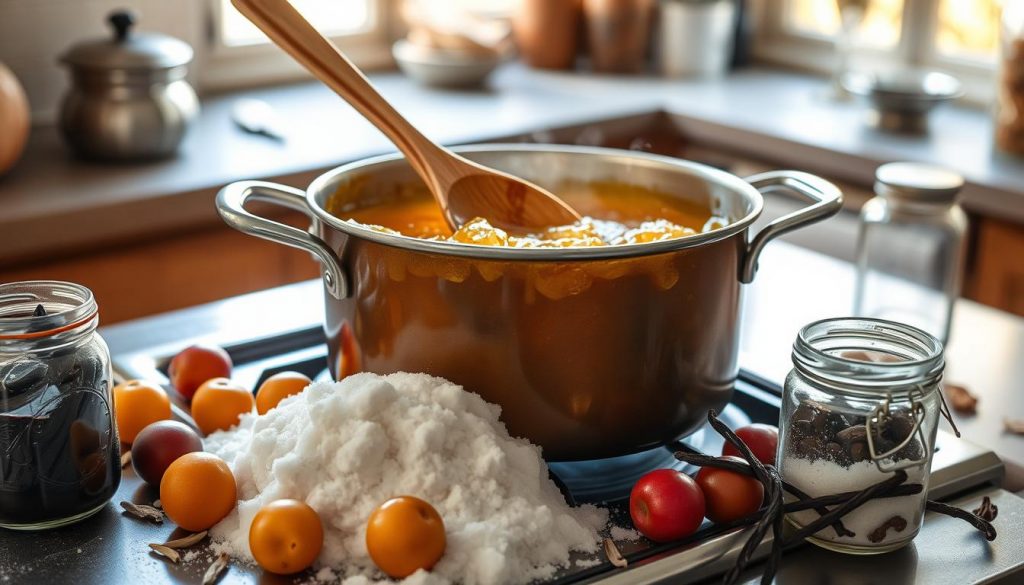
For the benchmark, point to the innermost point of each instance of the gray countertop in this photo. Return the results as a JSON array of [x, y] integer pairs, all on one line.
[[51, 202]]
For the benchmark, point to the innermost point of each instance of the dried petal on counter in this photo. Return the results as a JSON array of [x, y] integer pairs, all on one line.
[[215, 569], [1014, 425], [126, 458], [961, 399], [143, 512], [987, 511], [613, 554], [185, 541], [166, 551]]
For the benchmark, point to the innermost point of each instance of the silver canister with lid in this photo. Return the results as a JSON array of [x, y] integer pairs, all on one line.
[[129, 99], [910, 248]]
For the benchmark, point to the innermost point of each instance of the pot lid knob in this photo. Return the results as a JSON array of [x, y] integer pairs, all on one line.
[[122, 22]]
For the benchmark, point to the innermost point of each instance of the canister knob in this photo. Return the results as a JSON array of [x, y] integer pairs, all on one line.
[[122, 22]]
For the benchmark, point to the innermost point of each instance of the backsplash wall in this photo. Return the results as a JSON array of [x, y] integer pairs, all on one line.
[[34, 33]]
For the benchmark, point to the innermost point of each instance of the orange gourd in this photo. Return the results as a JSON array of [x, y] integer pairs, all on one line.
[[14, 119]]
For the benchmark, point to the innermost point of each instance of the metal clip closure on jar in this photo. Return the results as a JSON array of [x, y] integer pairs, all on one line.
[[861, 403], [879, 417]]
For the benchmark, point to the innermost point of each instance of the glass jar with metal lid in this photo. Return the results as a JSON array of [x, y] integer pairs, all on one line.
[[910, 247], [59, 449], [861, 404]]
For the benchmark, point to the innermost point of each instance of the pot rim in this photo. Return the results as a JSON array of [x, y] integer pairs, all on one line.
[[705, 172]]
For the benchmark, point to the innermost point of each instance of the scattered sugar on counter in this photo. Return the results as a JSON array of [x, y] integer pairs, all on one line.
[[622, 534], [346, 447]]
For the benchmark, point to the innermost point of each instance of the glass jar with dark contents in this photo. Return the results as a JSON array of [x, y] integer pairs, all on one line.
[[59, 450], [861, 404]]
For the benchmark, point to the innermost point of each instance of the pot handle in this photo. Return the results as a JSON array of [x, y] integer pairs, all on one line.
[[827, 198], [231, 206]]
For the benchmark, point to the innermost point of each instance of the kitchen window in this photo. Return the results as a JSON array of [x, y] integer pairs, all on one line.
[[242, 55], [956, 36]]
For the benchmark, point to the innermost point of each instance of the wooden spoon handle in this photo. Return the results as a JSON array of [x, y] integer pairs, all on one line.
[[292, 32]]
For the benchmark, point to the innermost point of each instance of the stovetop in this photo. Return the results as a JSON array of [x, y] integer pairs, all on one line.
[[111, 549], [958, 466]]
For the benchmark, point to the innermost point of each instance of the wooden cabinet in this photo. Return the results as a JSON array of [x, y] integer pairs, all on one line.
[[142, 277], [996, 271]]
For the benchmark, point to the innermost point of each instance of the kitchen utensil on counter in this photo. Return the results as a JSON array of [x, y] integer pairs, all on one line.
[[257, 117], [633, 356], [910, 247], [1010, 100], [902, 99], [129, 99], [861, 404], [547, 32], [695, 37], [442, 67], [59, 451], [14, 119], [464, 189], [618, 34]]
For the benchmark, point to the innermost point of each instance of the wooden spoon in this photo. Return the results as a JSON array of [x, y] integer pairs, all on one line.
[[463, 189]]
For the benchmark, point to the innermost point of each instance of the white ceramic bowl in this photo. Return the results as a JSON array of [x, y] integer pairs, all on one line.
[[443, 67]]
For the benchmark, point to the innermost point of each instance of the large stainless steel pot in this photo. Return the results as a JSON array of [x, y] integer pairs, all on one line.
[[591, 352]]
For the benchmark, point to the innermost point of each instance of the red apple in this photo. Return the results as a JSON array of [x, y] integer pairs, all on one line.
[[197, 364], [729, 495], [763, 441], [666, 505]]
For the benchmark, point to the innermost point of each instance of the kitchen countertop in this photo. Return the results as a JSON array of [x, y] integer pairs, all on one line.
[[52, 203]]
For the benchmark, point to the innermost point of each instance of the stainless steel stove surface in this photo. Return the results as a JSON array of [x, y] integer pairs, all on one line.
[[111, 549]]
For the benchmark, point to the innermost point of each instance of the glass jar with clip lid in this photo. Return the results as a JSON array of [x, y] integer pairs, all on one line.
[[861, 405]]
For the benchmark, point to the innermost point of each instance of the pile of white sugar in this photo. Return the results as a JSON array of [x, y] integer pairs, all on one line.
[[346, 447]]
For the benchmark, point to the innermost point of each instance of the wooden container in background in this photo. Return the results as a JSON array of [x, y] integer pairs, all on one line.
[[546, 32], [618, 33]]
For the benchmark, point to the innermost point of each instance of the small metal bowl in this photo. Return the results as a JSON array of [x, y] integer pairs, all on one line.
[[901, 100], [444, 67]]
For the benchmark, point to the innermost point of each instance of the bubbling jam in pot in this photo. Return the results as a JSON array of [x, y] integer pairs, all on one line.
[[613, 214]]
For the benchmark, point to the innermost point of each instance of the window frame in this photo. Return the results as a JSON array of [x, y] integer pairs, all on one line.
[[776, 42], [228, 67]]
